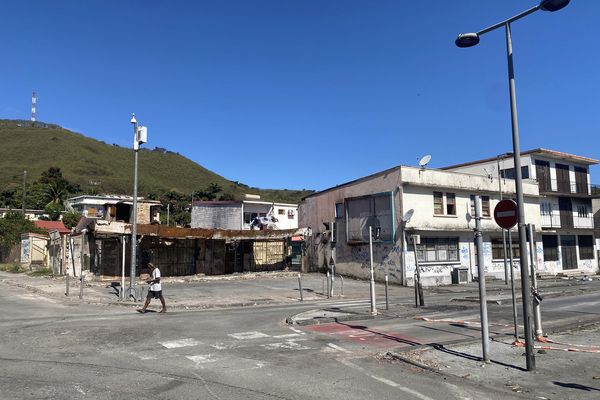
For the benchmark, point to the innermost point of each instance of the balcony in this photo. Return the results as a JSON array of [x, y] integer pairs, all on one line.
[[564, 187], [554, 221]]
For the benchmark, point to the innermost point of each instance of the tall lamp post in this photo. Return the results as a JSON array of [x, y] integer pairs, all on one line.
[[139, 136], [472, 39]]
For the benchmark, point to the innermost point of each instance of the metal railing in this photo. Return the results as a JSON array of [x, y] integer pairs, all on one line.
[[553, 221], [564, 186]]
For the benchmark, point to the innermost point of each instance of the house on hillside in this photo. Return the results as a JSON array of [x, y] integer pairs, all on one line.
[[240, 215], [115, 208], [30, 214], [434, 207], [565, 205]]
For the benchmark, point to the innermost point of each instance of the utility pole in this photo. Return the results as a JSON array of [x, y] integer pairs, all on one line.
[[24, 190], [372, 285], [481, 271]]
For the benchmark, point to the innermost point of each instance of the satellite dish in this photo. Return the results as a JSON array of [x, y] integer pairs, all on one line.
[[424, 161], [406, 217]]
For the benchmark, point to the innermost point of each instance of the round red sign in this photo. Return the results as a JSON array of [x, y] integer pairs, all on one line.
[[506, 214]]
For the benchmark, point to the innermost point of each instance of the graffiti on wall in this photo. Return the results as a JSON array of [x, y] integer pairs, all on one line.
[[26, 250]]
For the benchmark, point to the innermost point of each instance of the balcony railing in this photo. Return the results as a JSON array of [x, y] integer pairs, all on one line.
[[553, 221], [564, 186]]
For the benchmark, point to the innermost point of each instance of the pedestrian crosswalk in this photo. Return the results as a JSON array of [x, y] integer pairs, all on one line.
[[236, 350]]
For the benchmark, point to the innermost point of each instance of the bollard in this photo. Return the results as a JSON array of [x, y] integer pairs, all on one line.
[[332, 280], [387, 305], [300, 287], [81, 285], [328, 284], [67, 283]]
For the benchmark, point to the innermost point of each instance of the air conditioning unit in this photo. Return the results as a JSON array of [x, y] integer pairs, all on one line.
[[291, 213], [460, 275]]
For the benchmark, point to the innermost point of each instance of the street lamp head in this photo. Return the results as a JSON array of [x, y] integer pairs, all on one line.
[[553, 5], [467, 40], [133, 120]]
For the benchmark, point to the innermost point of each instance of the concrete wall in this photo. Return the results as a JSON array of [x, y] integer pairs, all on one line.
[[216, 216]]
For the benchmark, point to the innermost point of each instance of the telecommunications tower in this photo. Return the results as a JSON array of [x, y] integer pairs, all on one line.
[[33, 102]]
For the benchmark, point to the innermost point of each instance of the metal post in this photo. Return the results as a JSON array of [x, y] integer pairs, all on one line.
[[328, 292], [387, 304], [503, 231], [67, 270], [512, 287], [134, 211], [332, 278], [122, 292], [530, 357], [81, 269], [537, 316], [419, 299], [24, 191], [481, 271], [300, 287], [372, 285]]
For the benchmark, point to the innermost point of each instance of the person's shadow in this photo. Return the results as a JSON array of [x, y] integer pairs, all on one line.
[[578, 386]]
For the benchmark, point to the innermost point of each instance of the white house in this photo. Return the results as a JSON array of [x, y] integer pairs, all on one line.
[[565, 204], [439, 203], [238, 215], [115, 208]]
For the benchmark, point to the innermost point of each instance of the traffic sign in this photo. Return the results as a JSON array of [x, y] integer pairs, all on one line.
[[505, 213]]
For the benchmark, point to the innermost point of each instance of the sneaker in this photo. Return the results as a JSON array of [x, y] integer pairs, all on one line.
[[141, 311]]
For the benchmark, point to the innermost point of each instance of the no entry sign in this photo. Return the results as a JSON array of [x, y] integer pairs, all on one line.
[[505, 213]]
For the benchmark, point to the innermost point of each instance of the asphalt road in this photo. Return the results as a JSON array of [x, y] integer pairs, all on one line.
[[57, 351]]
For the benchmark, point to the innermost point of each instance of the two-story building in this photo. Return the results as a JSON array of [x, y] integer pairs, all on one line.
[[565, 204], [115, 208], [401, 203]]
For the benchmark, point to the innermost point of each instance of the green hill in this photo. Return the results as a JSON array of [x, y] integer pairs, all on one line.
[[103, 168]]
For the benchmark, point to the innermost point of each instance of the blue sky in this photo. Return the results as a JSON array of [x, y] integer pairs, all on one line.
[[306, 93]]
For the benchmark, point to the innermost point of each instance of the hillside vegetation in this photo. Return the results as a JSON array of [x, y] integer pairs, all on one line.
[[103, 168]]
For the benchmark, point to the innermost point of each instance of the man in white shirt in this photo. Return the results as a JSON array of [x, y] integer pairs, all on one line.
[[155, 290]]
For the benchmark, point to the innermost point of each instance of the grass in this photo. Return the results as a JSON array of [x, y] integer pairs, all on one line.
[[41, 272], [100, 167], [13, 267]]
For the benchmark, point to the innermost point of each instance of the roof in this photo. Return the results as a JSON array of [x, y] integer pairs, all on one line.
[[52, 226], [541, 151]]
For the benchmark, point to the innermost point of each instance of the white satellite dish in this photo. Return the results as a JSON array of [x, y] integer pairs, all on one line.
[[424, 161], [406, 217]]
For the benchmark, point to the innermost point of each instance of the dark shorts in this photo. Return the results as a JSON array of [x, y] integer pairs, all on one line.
[[154, 294]]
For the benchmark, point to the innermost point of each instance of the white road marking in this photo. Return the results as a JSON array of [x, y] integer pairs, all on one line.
[[173, 344], [202, 359], [297, 330], [248, 335], [289, 335], [386, 381], [219, 346], [288, 345], [336, 347]]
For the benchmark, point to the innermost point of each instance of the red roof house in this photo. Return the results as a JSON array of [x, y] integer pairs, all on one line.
[[53, 226]]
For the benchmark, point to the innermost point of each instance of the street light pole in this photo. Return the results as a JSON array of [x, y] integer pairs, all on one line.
[[472, 39], [136, 147]]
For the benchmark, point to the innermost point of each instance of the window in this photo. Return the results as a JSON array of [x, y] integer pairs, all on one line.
[[586, 247], [281, 211], [339, 210], [485, 205], [372, 210], [582, 211], [450, 204], [550, 247], [249, 216], [437, 249], [509, 173], [546, 208], [438, 203], [498, 249]]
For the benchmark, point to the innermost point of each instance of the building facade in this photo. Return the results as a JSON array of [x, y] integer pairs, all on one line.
[[432, 206], [238, 215], [565, 205], [115, 208]]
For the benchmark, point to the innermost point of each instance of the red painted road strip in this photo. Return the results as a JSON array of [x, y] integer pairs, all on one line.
[[364, 335]]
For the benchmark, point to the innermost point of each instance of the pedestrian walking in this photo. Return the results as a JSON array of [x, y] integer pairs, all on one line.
[[155, 291]]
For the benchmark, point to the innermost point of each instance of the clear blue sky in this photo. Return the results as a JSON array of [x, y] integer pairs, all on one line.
[[306, 93]]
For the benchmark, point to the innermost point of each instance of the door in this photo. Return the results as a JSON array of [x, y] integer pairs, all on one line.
[[565, 209], [568, 251], [562, 178], [542, 172], [581, 185]]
